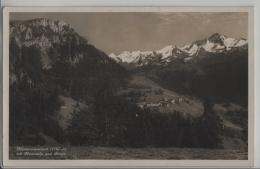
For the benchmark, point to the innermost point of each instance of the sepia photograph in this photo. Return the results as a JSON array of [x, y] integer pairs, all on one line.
[[129, 85]]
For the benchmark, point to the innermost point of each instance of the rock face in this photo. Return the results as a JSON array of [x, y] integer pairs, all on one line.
[[55, 39], [54, 43]]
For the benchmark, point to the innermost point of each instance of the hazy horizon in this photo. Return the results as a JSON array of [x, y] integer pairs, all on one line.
[[128, 31]]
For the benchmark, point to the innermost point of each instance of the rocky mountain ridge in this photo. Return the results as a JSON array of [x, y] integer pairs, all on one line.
[[216, 43]]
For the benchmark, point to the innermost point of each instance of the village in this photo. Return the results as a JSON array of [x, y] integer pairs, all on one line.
[[165, 102]]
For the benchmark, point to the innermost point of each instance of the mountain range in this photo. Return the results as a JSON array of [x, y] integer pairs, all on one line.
[[216, 43]]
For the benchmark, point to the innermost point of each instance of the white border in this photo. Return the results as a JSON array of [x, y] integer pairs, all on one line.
[[126, 163]]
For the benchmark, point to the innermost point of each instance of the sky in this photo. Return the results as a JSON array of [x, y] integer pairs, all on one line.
[[128, 31]]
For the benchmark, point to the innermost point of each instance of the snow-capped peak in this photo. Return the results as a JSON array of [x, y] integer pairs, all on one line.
[[127, 57], [213, 47], [139, 56], [215, 43], [227, 42], [131, 57], [231, 42]]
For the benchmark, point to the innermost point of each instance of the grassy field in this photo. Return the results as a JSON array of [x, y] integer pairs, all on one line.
[[114, 153], [148, 86]]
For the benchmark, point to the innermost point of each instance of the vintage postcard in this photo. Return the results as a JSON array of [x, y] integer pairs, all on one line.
[[128, 86]]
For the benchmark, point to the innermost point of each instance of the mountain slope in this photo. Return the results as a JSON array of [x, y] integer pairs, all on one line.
[[50, 61], [213, 67], [62, 54]]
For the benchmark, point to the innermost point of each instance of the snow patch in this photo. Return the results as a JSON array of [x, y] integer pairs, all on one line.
[[241, 43], [166, 51], [193, 50], [229, 42], [209, 46]]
